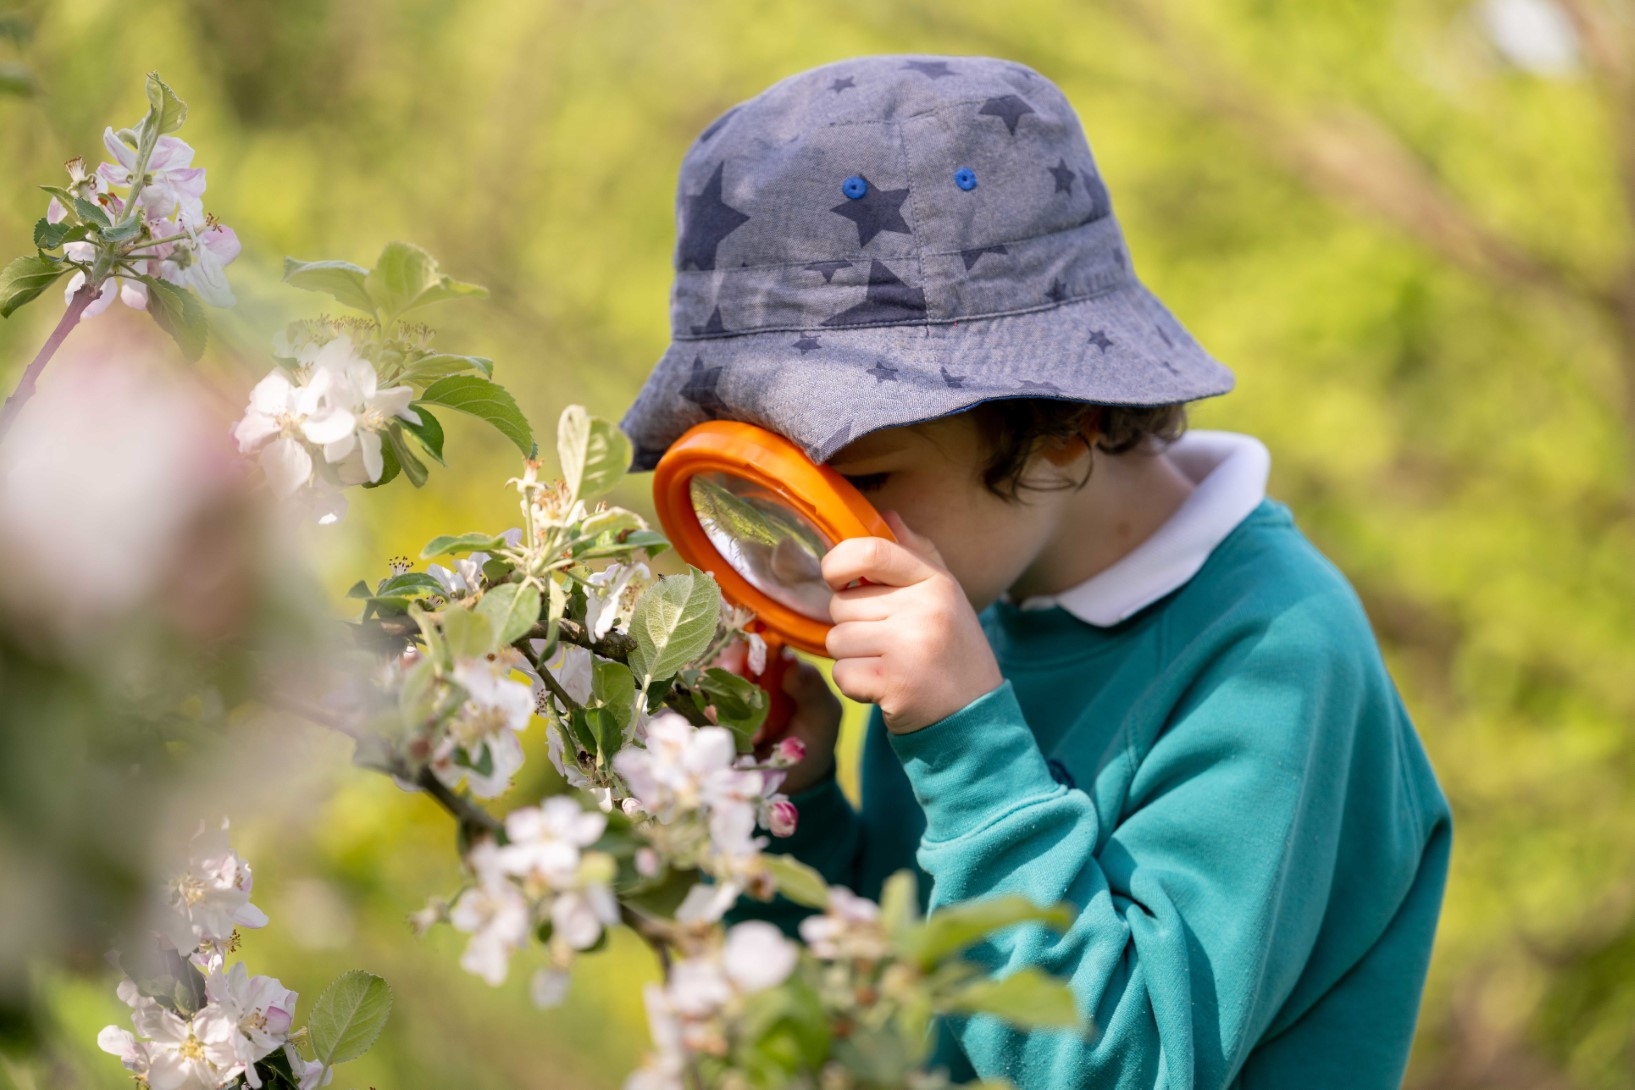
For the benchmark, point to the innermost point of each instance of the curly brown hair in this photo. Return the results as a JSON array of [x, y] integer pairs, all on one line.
[[1016, 428]]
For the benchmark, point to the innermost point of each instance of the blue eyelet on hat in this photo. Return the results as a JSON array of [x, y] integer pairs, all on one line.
[[965, 178], [854, 187]]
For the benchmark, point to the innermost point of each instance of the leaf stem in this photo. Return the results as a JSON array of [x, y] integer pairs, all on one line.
[[538, 663], [25, 387]]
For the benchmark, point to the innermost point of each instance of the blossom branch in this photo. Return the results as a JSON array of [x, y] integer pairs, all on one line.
[[25, 387], [471, 816]]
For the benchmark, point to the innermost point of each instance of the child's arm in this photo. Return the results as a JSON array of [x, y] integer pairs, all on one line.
[[1274, 799]]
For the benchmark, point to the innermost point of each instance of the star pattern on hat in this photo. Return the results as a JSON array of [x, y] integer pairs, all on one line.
[[1118, 257], [827, 268], [1031, 387], [973, 255], [882, 371], [931, 69], [1100, 205], [875, 211], [807, 343], [842, 84], [953, 382], [1009, 107], [707, 221], [713, 325], [1100, 339], [1057, 292], [840, 438], [1158, 328], [1064, 177], [887, 299], [715, 126], [700, 389]]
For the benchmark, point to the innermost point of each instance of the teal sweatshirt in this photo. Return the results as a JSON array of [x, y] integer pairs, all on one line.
[[1226, 789]]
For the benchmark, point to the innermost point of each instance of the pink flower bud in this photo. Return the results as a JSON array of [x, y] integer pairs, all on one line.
[[790, 751], [782, 817], [647, 862]]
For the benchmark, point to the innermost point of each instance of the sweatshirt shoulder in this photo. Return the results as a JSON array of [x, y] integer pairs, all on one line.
[[1267, 578]]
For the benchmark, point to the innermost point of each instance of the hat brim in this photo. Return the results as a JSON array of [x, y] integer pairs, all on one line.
[[823, 388]]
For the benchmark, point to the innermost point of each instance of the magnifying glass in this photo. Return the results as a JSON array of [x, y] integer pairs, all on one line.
[[748, 506]]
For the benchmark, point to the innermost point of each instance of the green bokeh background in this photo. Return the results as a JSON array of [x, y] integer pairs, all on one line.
[[1450, 429]]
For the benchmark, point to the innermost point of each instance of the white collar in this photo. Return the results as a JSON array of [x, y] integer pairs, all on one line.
[[1229, 473]]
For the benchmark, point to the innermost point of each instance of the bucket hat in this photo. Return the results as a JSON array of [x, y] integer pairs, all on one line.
[[889, 239]]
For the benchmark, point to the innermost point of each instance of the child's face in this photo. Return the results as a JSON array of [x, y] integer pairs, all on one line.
[[930, 474]]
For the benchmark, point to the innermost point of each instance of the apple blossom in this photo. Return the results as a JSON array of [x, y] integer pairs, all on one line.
[[611, 594], [494, 912], [848, 928], [211, 898], [257, 1011], [481, 743], [171, 184]]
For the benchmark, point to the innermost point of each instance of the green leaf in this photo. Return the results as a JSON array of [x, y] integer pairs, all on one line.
[[166, 112], [123, 232], [613, 687], [461, 543], [512, 609], [485, 400], [48, 235], [428, 431], [785, 1032], [349, 1015], [414, 584], [595, 454], [949, 930], [1028, 999], [557, 604], [406, 277], [64, 197], [469, 634], [91, 213], [24, 279], [740, 704], [413, 468], [899, 905], [442, 364], [340, 280], [673, 623], [360, 589], [605, 729], [797, 881], [178, 313], [651, 541], [390, 467]]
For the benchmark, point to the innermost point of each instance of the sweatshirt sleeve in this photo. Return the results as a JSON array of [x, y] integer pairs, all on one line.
[[1197, 911]]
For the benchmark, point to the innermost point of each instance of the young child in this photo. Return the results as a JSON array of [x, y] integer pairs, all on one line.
[[1105, 668]]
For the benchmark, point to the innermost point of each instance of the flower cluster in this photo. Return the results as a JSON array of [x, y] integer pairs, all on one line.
[[542, 879], [329, 406], [480, 743], [242, 1019], [692, 1012], [705, 802], [176, 241]]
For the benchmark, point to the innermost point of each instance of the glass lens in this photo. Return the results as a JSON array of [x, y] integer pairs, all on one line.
[[773, 546]]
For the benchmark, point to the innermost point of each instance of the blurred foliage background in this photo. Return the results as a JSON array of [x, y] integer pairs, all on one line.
[[1405, 224]]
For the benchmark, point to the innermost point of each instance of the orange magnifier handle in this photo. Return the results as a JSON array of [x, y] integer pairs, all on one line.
[[766, 468]]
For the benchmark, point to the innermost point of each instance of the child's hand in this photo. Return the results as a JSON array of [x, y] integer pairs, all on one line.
[[911, 643]]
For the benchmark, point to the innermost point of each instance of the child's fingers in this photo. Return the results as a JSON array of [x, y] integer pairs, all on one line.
[[870, 603], [874, 559], [858, 639]]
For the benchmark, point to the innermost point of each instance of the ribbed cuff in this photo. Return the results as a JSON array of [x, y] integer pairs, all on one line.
[[973, 766]]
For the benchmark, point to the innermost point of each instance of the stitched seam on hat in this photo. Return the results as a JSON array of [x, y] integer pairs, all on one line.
[[1108, 290], [944, 105], [919, 247], [801, 264]]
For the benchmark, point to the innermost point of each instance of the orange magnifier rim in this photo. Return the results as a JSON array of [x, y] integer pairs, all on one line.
[[822, 496]]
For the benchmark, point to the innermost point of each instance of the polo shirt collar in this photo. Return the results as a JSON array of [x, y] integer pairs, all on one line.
[[1228, 471]]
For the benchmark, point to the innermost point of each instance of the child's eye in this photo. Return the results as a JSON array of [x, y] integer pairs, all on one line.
[[867, 482]]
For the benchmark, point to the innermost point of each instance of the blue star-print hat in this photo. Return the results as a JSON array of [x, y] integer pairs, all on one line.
[[889, 239]]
